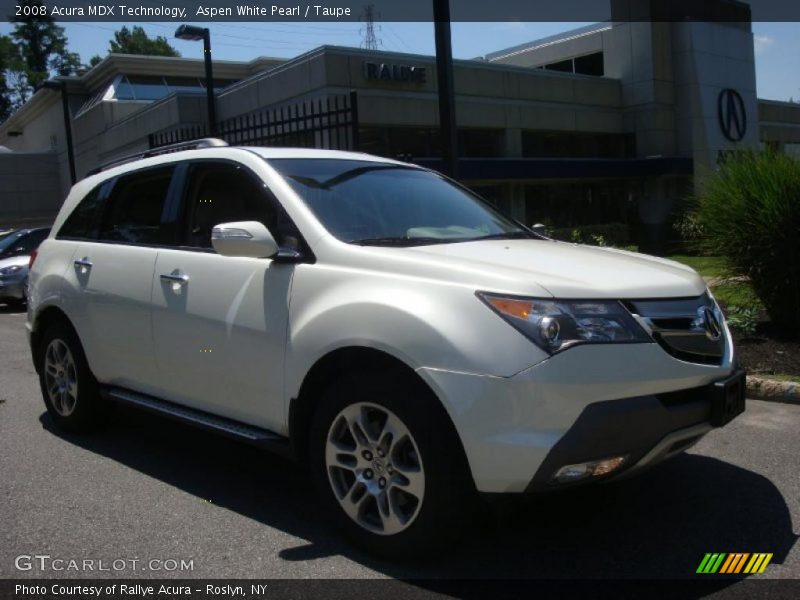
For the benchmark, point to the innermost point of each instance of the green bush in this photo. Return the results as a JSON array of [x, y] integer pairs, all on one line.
[[743, 319], [607, 234], [688, 227], [750, 213]]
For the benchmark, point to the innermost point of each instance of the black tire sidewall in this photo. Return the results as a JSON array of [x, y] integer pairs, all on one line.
[[89, 408], [448, 490]]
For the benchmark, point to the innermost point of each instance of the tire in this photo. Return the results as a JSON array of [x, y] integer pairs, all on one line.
[[69, 389], [408, 502]]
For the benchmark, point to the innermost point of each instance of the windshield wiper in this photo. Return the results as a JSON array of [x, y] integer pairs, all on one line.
[[402, 241]]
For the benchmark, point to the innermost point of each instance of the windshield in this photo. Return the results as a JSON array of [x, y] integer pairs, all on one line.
[[372, 203], [8, 240]]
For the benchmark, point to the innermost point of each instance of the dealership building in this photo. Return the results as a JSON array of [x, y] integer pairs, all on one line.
[[612, 123]]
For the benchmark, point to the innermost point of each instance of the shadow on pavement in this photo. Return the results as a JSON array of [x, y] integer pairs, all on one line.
[[658, 525], [8, 309]]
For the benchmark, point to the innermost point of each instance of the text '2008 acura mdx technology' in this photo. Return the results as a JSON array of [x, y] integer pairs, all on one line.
[[379, 323]]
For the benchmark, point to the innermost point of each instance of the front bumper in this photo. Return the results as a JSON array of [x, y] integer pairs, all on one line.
[[587, 403], [12, 288]]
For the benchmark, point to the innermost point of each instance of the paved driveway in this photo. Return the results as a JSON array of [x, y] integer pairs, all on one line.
[[148, 489]]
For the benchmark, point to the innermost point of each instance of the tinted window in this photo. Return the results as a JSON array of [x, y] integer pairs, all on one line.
[[82, 222], [224, 193], [134, 209], [22, 242], [369, 202], [33, 239], [10, 241]]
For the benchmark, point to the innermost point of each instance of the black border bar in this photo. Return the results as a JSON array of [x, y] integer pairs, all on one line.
[[295, 11]]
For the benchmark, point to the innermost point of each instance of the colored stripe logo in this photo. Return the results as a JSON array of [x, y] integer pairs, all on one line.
[[734, 562]]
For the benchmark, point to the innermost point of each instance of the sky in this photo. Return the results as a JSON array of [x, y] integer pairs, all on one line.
[[777, 45]]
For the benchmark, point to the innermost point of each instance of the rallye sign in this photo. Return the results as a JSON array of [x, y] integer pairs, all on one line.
[[389, 72]]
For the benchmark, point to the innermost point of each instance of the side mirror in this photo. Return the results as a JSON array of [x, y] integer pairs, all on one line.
[[244, 238], [539, 228]]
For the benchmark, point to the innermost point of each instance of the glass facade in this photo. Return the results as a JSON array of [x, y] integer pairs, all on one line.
[[418, 142], [148, 88], [588, 64], [571, 144]]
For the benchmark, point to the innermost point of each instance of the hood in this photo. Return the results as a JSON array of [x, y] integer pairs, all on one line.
[[563, 269], [15, 260]]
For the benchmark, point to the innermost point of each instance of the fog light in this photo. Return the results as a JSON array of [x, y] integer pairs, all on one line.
[[595, 468]]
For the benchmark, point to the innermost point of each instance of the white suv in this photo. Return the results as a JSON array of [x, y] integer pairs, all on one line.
[[376, 321]]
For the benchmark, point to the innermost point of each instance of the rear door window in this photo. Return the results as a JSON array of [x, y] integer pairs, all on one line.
[[83, 221], [135, 209]]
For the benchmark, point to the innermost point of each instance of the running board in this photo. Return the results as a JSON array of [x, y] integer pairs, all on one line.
[[234, 429]]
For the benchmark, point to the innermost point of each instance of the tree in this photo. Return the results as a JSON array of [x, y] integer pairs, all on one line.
[[136, 41], [7, 57], [38, 49], [42, 46], [95, 60]]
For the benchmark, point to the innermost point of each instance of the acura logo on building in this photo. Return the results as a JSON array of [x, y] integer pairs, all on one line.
[[731, 114], [710, 323]]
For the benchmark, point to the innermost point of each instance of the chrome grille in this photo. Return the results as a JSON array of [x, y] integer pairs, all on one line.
[[688, 328]]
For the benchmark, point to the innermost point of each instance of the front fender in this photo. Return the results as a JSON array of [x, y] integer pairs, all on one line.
[[423, 323]]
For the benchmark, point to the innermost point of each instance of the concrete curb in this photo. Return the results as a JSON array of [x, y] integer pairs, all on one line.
[[772, 390]]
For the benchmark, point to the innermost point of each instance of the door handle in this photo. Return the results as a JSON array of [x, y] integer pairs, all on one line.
[[84, 263], [176, 278]]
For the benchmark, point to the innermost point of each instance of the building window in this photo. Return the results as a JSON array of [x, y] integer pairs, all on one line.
[[416, 142], [498, 195], [588, 64], [576, 204], [572, 144]]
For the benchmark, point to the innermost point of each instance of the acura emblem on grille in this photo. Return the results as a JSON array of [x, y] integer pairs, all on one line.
[[710, 322]]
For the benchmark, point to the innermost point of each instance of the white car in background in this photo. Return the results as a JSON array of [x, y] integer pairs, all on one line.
[[377, 322]]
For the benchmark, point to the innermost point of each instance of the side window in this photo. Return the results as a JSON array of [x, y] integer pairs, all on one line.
[[82, 221], [31, 241], [223, 193], [134, 209]]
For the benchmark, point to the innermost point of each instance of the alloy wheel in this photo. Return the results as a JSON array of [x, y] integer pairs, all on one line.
[[61, 377], [375, 468]]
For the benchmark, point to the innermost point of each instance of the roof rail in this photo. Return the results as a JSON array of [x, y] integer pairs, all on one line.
[[167, 149]]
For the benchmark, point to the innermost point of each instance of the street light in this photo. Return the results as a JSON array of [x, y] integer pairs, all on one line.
[[194, 34], [61, 86]]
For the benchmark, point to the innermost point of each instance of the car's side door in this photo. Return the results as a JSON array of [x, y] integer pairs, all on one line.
[[220, 323], [112, 271]]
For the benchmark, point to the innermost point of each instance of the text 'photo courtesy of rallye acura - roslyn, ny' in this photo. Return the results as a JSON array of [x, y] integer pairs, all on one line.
[[413, 348]]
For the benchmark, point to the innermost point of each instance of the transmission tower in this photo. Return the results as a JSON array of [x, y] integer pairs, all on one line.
[[370, 42]]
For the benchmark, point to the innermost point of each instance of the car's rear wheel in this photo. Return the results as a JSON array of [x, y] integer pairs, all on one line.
[[69, 389], [387, 466]]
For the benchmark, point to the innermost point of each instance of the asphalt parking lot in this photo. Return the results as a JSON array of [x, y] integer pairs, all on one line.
[[150, 489]]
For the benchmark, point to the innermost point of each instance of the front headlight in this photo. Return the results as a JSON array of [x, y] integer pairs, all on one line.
[[555, 325], [10, 270]]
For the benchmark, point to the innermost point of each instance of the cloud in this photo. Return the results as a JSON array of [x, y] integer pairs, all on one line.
[[761, 43]]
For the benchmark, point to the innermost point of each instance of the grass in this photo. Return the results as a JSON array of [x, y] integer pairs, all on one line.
[[737, 293], [707, 266], [729, 293]]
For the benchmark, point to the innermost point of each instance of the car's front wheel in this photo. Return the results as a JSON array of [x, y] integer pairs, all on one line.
[[69, 389], [388, 467]]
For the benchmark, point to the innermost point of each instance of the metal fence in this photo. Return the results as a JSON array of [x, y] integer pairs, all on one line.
[[330, 123]]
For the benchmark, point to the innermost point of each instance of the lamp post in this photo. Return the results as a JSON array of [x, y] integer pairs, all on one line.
[[194, 34], [61, 86], [444, 77]]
